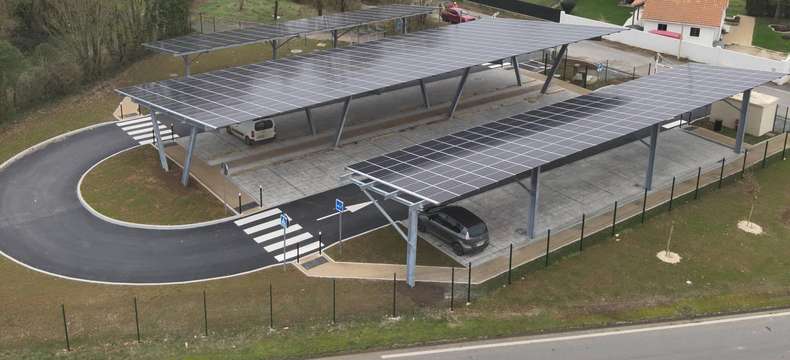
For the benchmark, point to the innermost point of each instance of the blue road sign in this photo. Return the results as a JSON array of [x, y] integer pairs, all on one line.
[[339, 206], [284, 221]]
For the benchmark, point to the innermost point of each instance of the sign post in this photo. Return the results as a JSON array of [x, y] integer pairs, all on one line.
[[340, 207], [284, 222], [225, 170]]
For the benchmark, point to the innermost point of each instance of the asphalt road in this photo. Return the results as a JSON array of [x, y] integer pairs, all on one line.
[[753, 336]]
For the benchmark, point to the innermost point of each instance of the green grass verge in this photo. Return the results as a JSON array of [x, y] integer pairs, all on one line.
[[385, 246], [254, 10], [602, 10], [765, 37], [612, 281], [132, 187]]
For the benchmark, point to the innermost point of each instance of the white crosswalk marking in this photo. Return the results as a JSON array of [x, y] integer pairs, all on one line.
[[264, 228], [142, 130]]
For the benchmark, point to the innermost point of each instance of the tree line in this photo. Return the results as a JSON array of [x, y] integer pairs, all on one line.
[[778, 9], [52, 47]]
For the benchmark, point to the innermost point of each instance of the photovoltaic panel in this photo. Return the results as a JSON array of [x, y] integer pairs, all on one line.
[[453, 166], [199, 43], [220, 98]]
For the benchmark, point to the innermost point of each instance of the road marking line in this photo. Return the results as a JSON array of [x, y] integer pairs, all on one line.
[[143, 131], [277, 245], [258, 216], [135, 121], [585, 336], [263, 226], [149, 135], [137, 126], [304, 250], [275, 234], [151, 140]]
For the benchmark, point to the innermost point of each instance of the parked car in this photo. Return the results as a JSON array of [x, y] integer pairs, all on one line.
[[254, 131], [458, 227], [453, 14]]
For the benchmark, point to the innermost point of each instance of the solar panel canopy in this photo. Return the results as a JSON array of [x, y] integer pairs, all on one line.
[[462, 163], [221, 98], [199, 43]]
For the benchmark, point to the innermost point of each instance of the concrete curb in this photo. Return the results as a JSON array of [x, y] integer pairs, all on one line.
[[108, 219]]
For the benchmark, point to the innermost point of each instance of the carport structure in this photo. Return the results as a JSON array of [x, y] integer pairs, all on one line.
[[459, 165], [281, 33], [221, 98]]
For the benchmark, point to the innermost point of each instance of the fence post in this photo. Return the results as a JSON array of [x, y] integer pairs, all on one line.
[[271, 308], [260, 194], [205, 314], [765, 153], [240, 207], [545, 63], [136, 319], [614, 219], [548, 244], [320, 244], [696, 188], [721, 175], [784, 149], [649, 68], [65, 327], [214, 23], [510, 266], [745, 156], [606, 73], [633, 76], [452, 287], [672, 194], [584, 80], [297, 252], [469, 284], [394, 287], [201, 23], [644, 206], [581, 238], [334, 312]]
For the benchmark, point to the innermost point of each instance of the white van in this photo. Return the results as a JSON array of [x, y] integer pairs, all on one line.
[[254, 131]]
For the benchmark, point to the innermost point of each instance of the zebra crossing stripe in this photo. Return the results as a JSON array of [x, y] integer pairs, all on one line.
[[258, 216], [261, 227], [134, 121], [151, 140], [275, 234], [150, 135], [303, 250], [138, 126], [144, 131], [277, 245]]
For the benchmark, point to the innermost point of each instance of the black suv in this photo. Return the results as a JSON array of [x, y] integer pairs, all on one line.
[[463, 231]]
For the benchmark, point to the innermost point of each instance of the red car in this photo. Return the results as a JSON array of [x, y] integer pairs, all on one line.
[[453, 14]]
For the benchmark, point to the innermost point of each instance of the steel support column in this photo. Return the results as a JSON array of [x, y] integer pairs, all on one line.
[[334, 38], [411, 244], [424, 95], [274, 49], [343, 118], [553, 69], [743, 121], [187, 65], [159, 145], [309, 114], [534, 197], [514, 62], [405, 24], [651, 160], [458, 93], [188, 159]]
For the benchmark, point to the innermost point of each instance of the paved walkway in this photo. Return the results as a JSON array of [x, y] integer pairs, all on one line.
[[710, 176]]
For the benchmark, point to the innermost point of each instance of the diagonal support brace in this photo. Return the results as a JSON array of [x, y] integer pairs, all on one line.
[[458, 92], [553, 69]]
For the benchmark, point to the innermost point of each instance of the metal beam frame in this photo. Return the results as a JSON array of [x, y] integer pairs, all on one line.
[[742, 123], [274, 49], [334, 38], [514, 62], [188, 159], [309, 114], [159, 145], [343, 119], [424, 94], [554, 66], [458, 93], [651, 159], [534, 197]]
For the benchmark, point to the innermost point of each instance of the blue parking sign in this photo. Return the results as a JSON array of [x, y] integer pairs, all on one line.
[[339, 206], [284, 220]]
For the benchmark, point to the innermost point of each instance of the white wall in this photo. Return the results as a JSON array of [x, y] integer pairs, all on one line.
[[685, 49], [707, 35]]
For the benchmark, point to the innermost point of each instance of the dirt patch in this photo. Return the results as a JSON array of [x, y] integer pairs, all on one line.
[[786, 216], [424, 294]]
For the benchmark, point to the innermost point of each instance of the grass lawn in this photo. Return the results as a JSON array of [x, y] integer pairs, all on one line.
[[132, 187], [254, 10], [765, 37], [612, 281], [602, 10], [385, 246]]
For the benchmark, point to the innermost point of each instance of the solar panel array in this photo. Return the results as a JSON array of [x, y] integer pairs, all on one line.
[[198, 43], [455, 165], [220, 98]]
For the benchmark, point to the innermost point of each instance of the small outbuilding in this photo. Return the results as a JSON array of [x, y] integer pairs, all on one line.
[[762, 112]]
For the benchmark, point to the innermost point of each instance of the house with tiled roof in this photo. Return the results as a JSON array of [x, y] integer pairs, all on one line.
[[697, 21]]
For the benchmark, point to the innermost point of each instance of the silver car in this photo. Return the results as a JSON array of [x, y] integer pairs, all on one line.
[[458, 227]]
